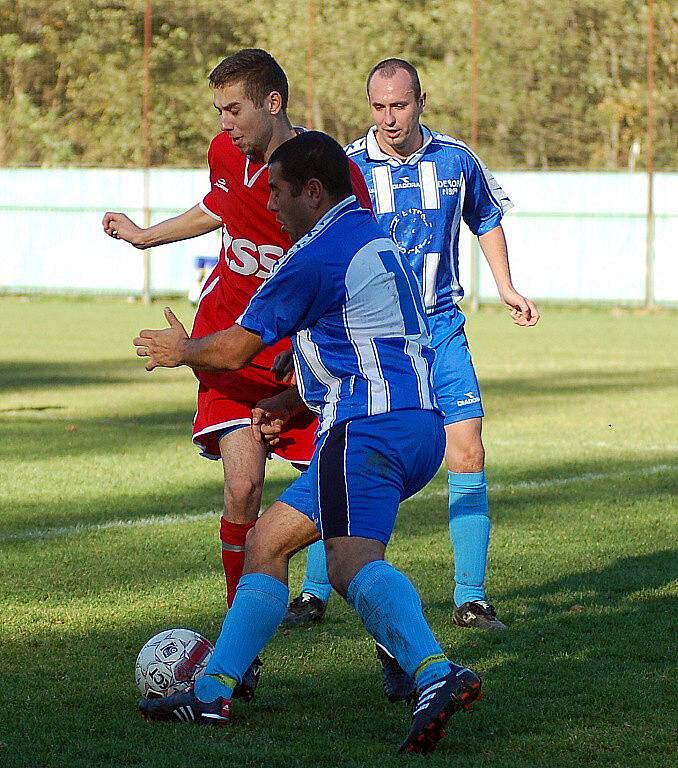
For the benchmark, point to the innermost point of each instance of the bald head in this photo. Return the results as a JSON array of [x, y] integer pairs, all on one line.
[[388, 68]]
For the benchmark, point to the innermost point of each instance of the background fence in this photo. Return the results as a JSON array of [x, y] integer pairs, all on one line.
[[573, 236]]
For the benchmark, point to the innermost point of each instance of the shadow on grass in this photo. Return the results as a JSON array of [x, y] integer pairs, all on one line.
[[44, 435], [586, 381], [564, 688], [30, 521], [550, 490], [19, 375]]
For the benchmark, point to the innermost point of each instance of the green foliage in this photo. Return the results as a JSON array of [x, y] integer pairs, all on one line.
[[581, 444], [562, 85]]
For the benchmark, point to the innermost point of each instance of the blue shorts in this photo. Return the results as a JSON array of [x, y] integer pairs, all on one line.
[[454, 379], [362, 469]]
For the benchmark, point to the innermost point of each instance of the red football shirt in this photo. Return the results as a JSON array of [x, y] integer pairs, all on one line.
[[252, 240]]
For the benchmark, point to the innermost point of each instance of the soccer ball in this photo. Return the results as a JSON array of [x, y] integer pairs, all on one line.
[[171, 661]]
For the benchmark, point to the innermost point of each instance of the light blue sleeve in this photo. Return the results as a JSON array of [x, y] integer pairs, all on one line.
[[292, 298], [485, 202]]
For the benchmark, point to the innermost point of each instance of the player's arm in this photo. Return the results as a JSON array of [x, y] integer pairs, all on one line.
[[222, 351], [493, 244], [286, 301], [485, 203], [191, 223]]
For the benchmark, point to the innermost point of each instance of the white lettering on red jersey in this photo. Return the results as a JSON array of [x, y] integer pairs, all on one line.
[[252, 239]]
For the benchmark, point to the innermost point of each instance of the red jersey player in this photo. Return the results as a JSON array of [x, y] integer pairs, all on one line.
[[250, 94]]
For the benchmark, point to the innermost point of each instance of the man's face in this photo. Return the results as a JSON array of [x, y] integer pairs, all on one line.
[[396, 112], [250, 127], [295, 213]]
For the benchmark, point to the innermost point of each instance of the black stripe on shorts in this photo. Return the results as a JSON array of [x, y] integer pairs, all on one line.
[[332, 484]]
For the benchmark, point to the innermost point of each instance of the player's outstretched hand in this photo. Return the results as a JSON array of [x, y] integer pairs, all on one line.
[[121, 227], [523, 311], [283, 367], [164, 348]]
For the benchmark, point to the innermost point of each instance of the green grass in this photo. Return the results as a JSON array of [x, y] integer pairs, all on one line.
[[582, 441]]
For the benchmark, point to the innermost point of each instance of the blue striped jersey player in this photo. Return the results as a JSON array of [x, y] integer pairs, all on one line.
[[352, 306], [361, 340], [423, 184]]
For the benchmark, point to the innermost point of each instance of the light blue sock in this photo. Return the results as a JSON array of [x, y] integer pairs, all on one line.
[[391, 611], [469, 532], [259, 606], [316, 580]]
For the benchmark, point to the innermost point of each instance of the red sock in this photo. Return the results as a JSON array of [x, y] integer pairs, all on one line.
[[232, 537]]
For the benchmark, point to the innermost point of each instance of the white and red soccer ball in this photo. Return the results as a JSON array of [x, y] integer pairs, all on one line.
[[171, 661]]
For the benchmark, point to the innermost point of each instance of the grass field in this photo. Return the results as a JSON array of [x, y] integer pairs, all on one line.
[[108, 532]]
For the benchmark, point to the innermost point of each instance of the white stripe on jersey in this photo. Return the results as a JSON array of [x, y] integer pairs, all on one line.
[[428, 183], [383, 392], [368, 362], [207, 290], [308, 349], [456, 223], [383, 189], [421, 370], [211, 214], [431, 263], [378, 396]]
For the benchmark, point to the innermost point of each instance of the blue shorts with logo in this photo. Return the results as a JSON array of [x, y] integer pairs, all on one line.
[[454, 378], [362, 469]]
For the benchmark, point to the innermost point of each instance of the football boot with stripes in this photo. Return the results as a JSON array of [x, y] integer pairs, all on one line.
[[435, 704], [186, 707]]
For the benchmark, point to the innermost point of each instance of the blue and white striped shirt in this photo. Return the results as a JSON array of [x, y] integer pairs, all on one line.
[[420, 202], [354, 311]]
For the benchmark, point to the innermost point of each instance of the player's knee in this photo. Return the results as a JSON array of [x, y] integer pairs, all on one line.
[[467, 457], [261, 549], [242, 499]]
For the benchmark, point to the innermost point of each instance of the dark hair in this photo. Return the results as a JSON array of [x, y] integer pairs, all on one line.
[[257, 70], [314, 155], [388, 67]]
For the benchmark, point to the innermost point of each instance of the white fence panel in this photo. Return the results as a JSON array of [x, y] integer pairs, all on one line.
[[572, 236]]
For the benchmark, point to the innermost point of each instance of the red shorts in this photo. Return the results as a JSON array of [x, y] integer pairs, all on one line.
[[228, 404], [225, 400]]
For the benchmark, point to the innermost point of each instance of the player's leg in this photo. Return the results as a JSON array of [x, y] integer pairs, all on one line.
[[469, 519], [310, 604], [258, 608], [244, 462], [261, 600], [458, 394], [469, 524], [357, 509]]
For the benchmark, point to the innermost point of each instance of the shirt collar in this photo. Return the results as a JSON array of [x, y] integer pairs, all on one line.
[[375, 152], [346, 204]]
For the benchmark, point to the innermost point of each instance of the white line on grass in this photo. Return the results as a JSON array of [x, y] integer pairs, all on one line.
[[139, 522], [554, 482], [142, 522], [637, 448]]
